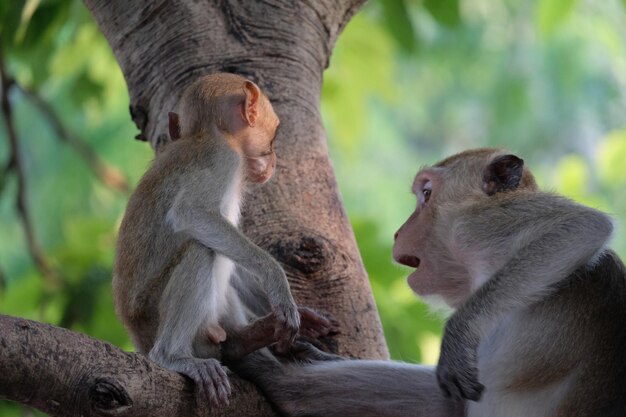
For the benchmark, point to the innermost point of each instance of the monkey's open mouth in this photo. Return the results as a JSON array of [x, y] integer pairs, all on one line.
[[409, 260]]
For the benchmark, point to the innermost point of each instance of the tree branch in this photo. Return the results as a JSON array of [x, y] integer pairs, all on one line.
[[64, 373], [16, 166]]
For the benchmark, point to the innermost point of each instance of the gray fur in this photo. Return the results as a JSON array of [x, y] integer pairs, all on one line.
[[516, 247], [178, 242], [349, 388], [541, 309]]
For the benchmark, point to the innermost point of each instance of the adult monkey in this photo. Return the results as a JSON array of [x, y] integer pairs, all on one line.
[[540, 306]]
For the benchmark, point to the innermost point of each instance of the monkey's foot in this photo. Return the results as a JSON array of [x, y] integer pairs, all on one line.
[[314, 325], [210, 379]]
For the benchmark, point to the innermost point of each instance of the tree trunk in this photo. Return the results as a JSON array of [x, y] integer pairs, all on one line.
[[283, 45], [162, 46]]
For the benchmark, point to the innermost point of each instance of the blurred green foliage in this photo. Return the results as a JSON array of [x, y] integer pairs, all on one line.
[[545, 78], [409, 82]]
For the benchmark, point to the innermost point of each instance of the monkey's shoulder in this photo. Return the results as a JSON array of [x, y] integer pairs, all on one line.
[[185, 172], [576, 334], [602, 277], [600, 288], [513, 211], [201, 167], [521, 200], [196, 153]]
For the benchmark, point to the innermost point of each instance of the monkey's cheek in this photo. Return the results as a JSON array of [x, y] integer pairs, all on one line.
[[267, 175], [260, 170], [260, 177]]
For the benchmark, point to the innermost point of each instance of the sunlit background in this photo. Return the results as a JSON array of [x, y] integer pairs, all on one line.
[[409, 82]]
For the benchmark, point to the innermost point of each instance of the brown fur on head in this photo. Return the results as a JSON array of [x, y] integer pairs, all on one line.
[[473, 159], [471, 176], [233, 107]]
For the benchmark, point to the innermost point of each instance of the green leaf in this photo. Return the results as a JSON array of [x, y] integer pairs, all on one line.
[[399, 25], [3, 281], [22, 296], [40, 26], [85, 88], [446, 12], [552, 13], [82, 296], [10, 12], [27, 14], [611, 156], [572, 174], [365, 44]]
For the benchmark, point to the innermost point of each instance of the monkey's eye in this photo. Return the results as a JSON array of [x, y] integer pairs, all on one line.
[[427, 190]]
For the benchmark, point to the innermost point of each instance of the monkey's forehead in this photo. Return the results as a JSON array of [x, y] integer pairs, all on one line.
[[423, 175], [478, 154]]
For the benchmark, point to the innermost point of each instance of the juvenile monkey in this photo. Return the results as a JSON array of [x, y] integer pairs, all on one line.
[[540, 307], [173, 280]]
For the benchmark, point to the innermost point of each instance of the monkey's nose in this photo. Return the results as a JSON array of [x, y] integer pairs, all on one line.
[[395, 235], [409, 260]]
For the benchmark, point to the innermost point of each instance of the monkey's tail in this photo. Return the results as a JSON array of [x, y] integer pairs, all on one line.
[[348, 388]]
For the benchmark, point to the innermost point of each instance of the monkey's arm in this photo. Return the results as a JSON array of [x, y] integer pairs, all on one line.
[[212, 230], [525, 246]]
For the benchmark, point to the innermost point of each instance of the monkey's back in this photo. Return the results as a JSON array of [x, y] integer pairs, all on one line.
[[598, 334], [574, 360], [147, 248], [144, 248]]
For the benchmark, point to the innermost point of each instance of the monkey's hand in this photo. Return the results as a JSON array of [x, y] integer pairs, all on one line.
[[287, 325], [457, 372], [210, 379]]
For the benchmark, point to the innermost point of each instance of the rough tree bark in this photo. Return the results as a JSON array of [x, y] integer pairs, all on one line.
[[283, 45], [67, 374], [161, 46]]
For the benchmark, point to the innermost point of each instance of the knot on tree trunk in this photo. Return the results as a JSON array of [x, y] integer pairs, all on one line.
[[107, 394], [139, 115], [306, 254]]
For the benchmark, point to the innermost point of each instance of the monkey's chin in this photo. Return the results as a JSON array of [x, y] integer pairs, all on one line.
[[259, 178], [438, 305], [421, 283], [415, 283]]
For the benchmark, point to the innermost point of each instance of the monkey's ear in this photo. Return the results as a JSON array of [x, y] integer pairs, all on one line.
[[504, 173], [251, 104], [174, 125]]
